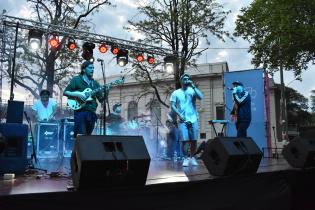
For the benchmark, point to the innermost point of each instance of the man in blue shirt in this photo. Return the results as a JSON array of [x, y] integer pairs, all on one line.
[[241, 112]]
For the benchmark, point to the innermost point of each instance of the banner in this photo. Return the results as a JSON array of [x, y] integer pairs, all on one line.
[[254, 84]]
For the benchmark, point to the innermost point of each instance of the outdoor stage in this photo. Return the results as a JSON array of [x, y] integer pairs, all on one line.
[[276, 185]]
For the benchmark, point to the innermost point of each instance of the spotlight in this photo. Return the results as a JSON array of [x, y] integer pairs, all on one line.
[[150, 59], [122, 57], [53, 41], [35, 38], [103, 48], [71, 44], [114, 50], [140, 58], [169, 63], [87, 48]]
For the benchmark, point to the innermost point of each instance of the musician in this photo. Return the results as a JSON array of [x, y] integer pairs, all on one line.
[[241, 112], [45, 108], [115, 119], [184, 105], [85, 117], [173, 144]]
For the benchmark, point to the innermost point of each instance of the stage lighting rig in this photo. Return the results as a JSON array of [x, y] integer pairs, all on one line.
[[103, 48], [114, 50], [87, 48], [150, 59], [122, 57], [139, 57], [35, 38], [169, 63], [53, 41], [71, 44]]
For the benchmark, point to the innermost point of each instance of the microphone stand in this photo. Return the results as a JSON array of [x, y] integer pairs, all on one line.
[[105, 96]]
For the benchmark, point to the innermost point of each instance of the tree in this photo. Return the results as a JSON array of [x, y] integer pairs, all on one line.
[[280, 33], [179, 25], [52, 66], [313, 101], [297, 107]]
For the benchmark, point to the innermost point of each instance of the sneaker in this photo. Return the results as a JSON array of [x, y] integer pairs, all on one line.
[[186, 162], [194, 161]]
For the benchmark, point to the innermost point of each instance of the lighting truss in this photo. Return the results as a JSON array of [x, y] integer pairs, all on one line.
[[46, 28]]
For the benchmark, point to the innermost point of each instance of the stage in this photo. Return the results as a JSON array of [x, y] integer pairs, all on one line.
[[276, 185]]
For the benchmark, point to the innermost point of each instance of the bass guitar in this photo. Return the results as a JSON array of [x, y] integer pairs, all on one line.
[[76, 103]]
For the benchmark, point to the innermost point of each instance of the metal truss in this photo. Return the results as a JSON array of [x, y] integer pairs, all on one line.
[[10, 21]]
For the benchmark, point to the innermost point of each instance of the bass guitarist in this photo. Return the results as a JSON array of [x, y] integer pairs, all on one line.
[[85, 117]]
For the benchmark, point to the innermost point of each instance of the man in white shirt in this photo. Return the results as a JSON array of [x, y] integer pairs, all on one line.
[[184, 105], [45, 108]]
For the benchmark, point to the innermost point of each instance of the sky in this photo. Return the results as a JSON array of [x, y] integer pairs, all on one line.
[[109, 21]]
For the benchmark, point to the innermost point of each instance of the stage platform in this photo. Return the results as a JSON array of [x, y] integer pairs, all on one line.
[[276, 185]]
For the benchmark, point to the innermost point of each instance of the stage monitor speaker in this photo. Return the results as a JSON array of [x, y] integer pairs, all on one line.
[[225, 156], [13, 158], [99, 162], [15, 111], [300, 152]]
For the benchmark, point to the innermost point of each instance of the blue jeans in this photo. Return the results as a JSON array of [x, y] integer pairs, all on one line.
[[241, 128], [84, 122]]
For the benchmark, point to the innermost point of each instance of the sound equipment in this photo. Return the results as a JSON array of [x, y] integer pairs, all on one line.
[[47, 138], [68, 138], [224, 156], [109, 161], [300, 152], [15, 111], [14, 157]]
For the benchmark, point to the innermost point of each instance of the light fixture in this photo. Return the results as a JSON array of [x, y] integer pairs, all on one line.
[[114, 50], [139, 57], [103, 48], [87, 48], [53, 41], [71, 44], [35, 38], [122, 57], [150, 59], [169, 63]]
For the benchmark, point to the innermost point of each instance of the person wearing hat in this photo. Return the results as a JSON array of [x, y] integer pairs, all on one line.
[[45, 108], [241, 112], [115, 120], [85, 117], [183, 102]]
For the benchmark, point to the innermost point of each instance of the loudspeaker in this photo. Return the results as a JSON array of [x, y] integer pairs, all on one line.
[[300, 152], [13, 158], [15, 111], [109, 161], [224, 156]]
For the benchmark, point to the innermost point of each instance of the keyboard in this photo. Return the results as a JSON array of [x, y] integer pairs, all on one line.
[[218, 121]]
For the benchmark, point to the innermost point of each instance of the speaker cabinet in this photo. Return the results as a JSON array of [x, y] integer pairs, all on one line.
[[14, 157], [109, 161], [224, 156], [300, 152]]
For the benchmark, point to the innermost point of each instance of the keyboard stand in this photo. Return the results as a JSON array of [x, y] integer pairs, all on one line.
[[222, 122]]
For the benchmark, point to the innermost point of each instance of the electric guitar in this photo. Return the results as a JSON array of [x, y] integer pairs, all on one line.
[[76, 103]]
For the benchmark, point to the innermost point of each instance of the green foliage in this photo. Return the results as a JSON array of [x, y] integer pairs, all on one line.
[[313, 101], [279, 32]]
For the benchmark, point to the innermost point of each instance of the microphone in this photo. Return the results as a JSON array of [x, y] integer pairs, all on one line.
[[100, 60], [229, 88], [26, 117]]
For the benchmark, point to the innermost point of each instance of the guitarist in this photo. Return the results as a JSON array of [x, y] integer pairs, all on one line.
[[241, 112], [85, 117]]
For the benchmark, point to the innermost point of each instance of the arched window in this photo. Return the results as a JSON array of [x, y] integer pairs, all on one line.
[[132, 110], [155, 110]]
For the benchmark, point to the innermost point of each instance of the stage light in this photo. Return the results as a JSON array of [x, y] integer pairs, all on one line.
[[103, 48], [150, 59], [35, 38], [122, 57], [53, 41], [71, 44], [114, 50], [87, 48], [169, 63], [140, 58]]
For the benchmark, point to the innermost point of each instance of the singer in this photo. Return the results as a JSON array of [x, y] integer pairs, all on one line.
[[183, 102], [85, 117], [241, 112], [45, 108]]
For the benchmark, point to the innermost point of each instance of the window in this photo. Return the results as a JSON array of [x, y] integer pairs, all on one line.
[[155, 110], [132, 110], [220, 113]]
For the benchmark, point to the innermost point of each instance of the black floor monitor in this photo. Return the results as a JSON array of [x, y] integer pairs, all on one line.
[[15, 111]]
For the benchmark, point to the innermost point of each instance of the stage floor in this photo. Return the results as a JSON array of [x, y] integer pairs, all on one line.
[[57, 178]]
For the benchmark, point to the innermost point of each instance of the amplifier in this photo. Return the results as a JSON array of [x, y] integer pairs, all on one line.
[[68, 138], [47, 137]]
